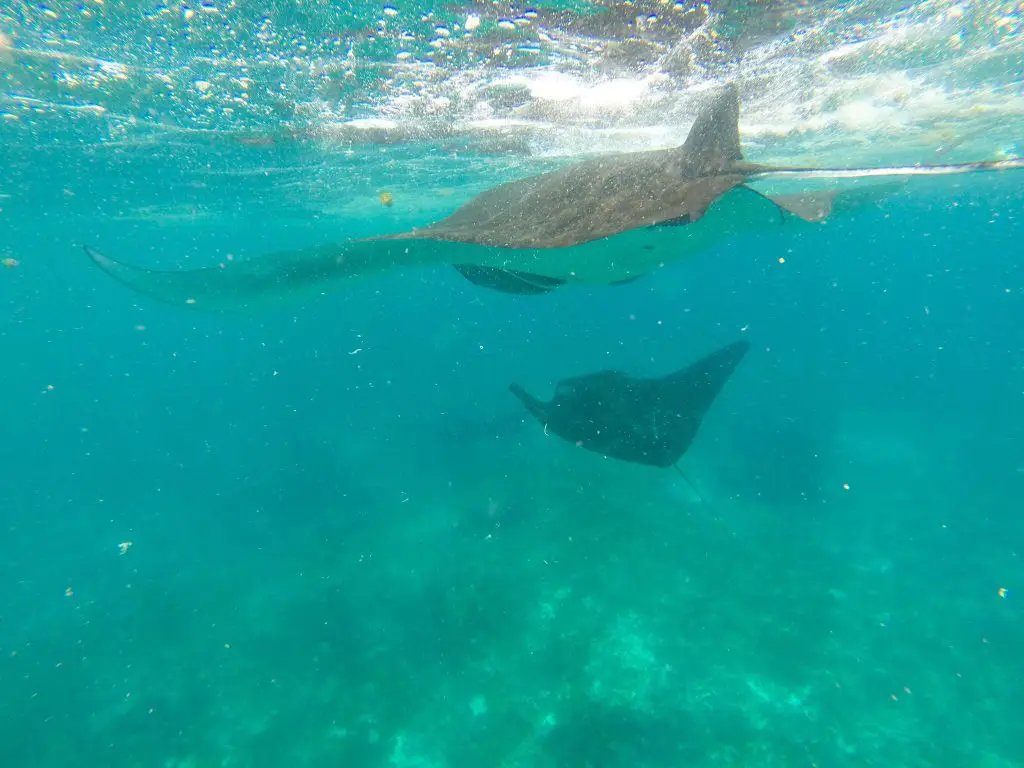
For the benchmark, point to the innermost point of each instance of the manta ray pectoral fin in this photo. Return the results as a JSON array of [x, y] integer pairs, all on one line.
[[533, 405], [678, 221], [275, 277], [173, 287], [713, 143], [508, 280]]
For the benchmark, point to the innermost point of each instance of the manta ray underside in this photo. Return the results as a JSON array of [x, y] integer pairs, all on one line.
[[641, 420], [602, 221]]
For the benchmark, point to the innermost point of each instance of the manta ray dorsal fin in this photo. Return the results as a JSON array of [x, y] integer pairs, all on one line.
[[713, 143], [809, 206]]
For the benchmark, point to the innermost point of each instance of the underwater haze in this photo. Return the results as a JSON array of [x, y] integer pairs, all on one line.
[[325, 533]]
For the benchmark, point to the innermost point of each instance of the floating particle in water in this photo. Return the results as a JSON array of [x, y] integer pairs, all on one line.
[[123, 547], [1001, 591], [387, 199], [9, 262], [478, 706], [255, 141], [472, 22]]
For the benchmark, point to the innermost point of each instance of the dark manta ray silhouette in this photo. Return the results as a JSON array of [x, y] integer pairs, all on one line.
[[642, 420], [602, 221]]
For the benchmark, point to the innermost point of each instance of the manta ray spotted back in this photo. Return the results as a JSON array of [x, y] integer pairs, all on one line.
[[602, 221]]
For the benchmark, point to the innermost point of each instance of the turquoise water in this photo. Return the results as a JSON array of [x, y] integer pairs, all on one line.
[[326, 534]]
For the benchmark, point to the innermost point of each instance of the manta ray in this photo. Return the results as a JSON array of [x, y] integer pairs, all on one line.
[[603, 221], [648, 421]]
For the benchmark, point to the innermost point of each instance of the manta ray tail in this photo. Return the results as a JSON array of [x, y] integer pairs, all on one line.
[[713, 146], [818, 205], [689, 482], [945, 169]]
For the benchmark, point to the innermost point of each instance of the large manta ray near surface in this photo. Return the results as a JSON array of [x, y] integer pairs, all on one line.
[[602, 221]]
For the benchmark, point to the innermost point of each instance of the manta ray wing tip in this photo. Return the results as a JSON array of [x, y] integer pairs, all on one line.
[[96, 256]]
